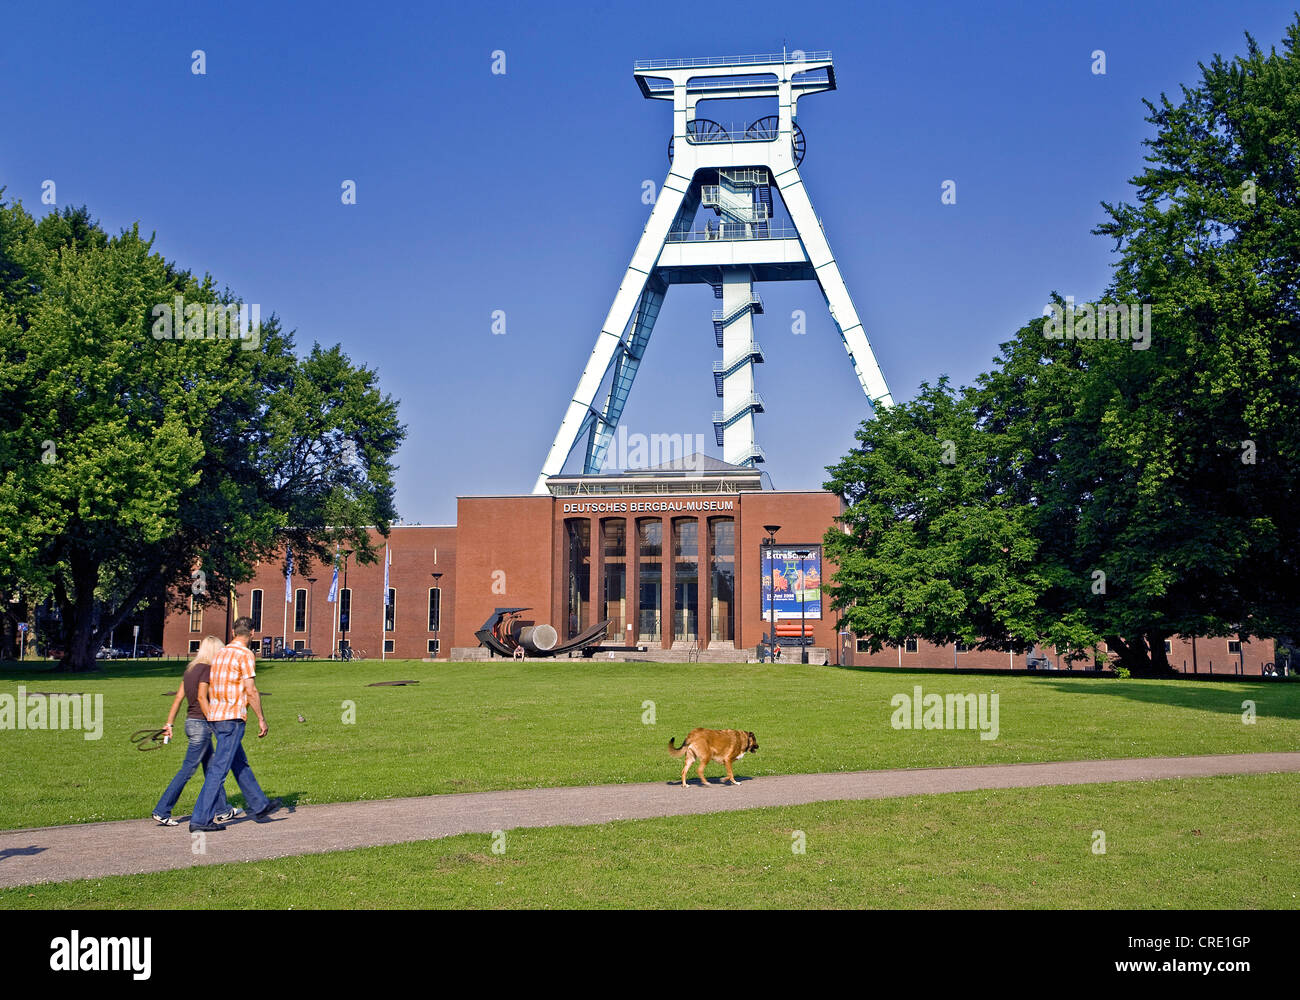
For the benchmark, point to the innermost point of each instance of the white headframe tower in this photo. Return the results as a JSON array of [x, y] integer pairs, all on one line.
[[732, 171]]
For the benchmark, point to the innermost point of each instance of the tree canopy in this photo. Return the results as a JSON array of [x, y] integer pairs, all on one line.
[[127, 457], [1095, 489]]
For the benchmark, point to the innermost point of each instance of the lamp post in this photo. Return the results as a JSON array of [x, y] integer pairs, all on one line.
[[437, 621], [771, 530], [343, 624], [803, 620], [311, 605]]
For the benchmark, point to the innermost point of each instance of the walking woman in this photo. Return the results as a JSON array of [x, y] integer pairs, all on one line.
[[194, 688]]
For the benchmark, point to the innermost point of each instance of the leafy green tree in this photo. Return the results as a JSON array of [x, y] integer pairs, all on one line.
[[1138, 494], [126, 459]]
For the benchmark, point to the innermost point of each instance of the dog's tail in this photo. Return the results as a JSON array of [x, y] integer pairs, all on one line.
[[676, 751]]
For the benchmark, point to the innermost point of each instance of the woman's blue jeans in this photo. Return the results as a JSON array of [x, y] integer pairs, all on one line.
[[199, 732]]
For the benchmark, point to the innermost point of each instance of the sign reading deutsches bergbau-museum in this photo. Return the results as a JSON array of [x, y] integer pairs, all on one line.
[[635, 506]]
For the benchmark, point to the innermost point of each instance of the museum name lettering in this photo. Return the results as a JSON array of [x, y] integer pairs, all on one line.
[[618, 506]]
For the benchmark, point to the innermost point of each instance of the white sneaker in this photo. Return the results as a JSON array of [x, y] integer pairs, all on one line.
[[165, 820], [226, 817]]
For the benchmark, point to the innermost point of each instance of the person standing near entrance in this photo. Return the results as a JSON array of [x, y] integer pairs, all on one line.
[[231, 689]]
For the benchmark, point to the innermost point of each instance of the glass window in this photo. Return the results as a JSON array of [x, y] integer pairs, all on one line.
[[577, 595], [909, 645], [388, 645], [722, 579], [435, 609], [255, 610], [196, 616], [614, 585], [650, 542], [300, 611], [433, 647], [390, 610], [686, 578], [862, 646], [1234, 645], [345, 609]]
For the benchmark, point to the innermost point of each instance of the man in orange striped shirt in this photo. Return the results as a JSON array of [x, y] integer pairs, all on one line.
[[231, 689]]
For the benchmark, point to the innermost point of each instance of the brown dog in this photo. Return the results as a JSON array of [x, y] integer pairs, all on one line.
[[703, 745]]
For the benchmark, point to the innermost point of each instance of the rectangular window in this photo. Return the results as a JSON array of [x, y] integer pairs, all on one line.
[[300, 611], [390, 610], [388, 645], [909, 645], [299, 643], [433, 647], [1234, 645], [196, 617], [963, 647], [863, 647], [194, 646], [345, 609], [1169, 647], [722, 579], [255, 610], [435, 608]]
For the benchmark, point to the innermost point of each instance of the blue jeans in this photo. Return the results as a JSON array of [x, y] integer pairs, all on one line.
[[229, 758], [199, 733]]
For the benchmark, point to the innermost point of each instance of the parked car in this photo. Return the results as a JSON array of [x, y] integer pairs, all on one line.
[[148, 649]]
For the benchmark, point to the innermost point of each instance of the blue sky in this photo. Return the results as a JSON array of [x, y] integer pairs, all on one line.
[[522, 192]]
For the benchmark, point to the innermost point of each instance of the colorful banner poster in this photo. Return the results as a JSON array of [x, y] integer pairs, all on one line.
[[792, 586]]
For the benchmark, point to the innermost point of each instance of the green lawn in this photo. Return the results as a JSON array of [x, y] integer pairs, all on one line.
[[1223, 842], [479, 726]]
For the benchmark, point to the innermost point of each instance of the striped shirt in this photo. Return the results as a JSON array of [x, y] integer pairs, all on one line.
[[227, 699]]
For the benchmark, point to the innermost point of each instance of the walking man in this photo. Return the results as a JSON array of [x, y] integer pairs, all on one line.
[[231, 689]]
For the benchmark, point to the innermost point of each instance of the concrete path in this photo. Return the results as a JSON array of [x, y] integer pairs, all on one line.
[[59, 853]]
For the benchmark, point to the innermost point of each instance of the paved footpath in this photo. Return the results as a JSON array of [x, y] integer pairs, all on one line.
[[90, 850]]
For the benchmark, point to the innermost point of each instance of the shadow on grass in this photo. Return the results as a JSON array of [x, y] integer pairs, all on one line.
[[1279, 700], [13, 670]]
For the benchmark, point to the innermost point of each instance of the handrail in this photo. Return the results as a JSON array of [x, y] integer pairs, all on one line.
[[748, 304], [731, 364], [753, 402], [775, 57], [701, 235]]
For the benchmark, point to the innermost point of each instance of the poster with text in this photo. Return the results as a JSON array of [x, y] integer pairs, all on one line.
[[790, 587]]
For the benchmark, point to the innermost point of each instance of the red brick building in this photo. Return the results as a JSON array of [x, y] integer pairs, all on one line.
[[673, 559]]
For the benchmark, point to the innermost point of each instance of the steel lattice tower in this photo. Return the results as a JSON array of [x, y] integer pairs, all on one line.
[[732, 171]]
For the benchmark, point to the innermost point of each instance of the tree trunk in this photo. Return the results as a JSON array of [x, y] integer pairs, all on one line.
[[79, 617]]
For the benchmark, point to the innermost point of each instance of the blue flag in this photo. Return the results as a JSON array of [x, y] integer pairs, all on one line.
[[334, 583], [288, 577]]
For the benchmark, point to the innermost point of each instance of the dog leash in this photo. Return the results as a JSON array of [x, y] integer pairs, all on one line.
[[147, 739]]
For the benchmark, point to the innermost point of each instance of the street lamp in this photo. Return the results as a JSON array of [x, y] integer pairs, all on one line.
[[771, 530], [311, 605], [345, 621], [437, 621], [803, 595]]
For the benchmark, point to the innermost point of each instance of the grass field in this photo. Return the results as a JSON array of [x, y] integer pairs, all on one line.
[[1222, 842], [480, 726]]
